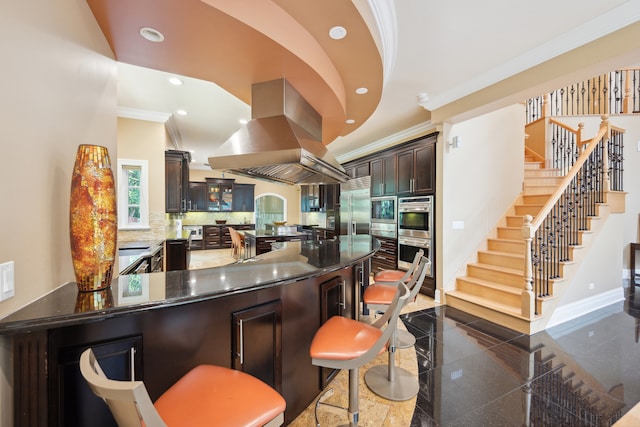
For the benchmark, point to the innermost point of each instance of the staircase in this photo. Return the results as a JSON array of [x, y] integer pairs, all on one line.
[[500, 285]]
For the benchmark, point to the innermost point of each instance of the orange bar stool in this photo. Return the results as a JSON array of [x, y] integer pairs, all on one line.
[[405, 339], [207, 395], [343, 343], [390, 381]]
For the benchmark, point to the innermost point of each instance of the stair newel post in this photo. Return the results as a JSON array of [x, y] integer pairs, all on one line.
[[627, 101], [605, 153], [528, 299], [546, 105]]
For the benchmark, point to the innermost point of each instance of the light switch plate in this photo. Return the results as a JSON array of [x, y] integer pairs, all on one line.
[[7, 289], [458, 225]]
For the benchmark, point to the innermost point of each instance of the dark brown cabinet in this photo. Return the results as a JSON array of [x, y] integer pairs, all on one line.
[[416, 171], [333, 302], [329, 197], [121, 359], [219, 194], [177, 254], [257, 342], [176, 165], [243, 197], [310, 198], [357, 169], [387, 257], [383, 176], [211, 236], [197, 197]]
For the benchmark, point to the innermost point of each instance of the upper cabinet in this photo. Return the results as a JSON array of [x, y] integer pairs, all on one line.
[[383, 176], [219, 194], [318, 197], [407, 169], [243, 197], [416, 170], [176, 164], [197, 197]]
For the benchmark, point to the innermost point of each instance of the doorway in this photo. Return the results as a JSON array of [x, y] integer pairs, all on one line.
[[269, 208]]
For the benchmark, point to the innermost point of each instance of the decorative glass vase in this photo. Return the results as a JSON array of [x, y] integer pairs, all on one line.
[[93, 218]]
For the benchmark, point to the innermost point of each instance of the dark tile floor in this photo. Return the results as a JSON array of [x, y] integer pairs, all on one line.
[[585, 372]]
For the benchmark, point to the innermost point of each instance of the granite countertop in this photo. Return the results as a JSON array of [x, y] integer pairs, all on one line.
[[293, 261], [130, 252]]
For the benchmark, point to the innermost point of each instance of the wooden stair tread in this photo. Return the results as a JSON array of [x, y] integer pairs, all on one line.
[[485, 302], [492, 285], [496, 268], [501, 253]]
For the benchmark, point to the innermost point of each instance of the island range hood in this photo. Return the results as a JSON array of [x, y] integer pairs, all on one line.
[[281, 142]]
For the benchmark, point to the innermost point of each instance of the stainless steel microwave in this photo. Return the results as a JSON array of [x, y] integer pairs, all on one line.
[[384, 209]]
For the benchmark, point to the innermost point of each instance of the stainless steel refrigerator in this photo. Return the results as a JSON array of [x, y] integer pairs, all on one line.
[[355, 206]]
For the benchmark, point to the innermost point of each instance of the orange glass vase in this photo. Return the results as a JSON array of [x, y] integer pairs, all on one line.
[[93, 218]]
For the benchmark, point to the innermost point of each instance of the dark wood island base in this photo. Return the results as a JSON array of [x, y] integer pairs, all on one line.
[[258, 316]]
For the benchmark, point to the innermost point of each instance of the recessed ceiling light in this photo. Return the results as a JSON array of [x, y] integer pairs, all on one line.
[[350, 121], [362, 90], [243, 121], [151, 34], [175, 81], [337, 33], [181, 112]]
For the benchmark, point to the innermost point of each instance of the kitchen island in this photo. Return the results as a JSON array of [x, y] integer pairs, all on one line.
[[258, 315], [258, 242]]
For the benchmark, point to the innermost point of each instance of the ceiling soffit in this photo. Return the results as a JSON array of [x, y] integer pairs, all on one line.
[[236, 44]]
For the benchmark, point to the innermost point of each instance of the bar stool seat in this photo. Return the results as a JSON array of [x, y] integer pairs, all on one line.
[[377, 295], [207, 395], [343, 343], [389, 276], [390, 381]]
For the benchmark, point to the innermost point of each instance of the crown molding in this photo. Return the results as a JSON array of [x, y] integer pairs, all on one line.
[[140, 114]]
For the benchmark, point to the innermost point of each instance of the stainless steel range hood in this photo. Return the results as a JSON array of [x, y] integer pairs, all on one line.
[[282, 141]]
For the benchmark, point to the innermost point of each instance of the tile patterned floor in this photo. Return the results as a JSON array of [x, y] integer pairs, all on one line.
[[474, 373]]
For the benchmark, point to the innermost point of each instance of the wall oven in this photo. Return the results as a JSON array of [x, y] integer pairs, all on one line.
[[384, 214], [415, 223], [415, 216], [407, 249]]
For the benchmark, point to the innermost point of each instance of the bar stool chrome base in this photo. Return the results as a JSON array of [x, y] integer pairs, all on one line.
[[404, 385]]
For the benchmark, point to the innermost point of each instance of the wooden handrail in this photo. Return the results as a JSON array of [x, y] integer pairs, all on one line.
[[604, 128]]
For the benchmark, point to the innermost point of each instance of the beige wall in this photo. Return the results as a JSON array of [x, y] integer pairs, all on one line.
[[145, 140], [58, 91], [477, 183]]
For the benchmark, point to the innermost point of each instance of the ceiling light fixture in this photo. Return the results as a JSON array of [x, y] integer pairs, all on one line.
[[175, 81], [243, 121], [423, 98], [151, 34], [362, 90], [337, 33], [350, 121], [181, 112]]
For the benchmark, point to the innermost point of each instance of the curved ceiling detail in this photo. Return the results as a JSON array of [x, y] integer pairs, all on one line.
[[236, 45]]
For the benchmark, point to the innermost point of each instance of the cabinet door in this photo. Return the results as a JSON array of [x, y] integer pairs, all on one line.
[[424, 169], [405, 171], [257, 342], [211, 237], [328, 196], [177, 255], [377, 177], [197, 197], [332, 303], [361, 170], [119, 359], [389, 173], [175, 202], [243, 197]]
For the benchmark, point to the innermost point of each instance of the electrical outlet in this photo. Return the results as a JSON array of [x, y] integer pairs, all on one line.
[[592, 286], [7, 289]]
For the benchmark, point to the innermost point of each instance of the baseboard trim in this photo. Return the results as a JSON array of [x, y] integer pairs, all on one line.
[[580, 308]]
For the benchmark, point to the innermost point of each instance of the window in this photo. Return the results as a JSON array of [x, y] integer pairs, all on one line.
[[133, 194]]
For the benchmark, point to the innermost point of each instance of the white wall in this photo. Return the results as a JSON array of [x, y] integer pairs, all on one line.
[[477, 183], [58, 91]]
